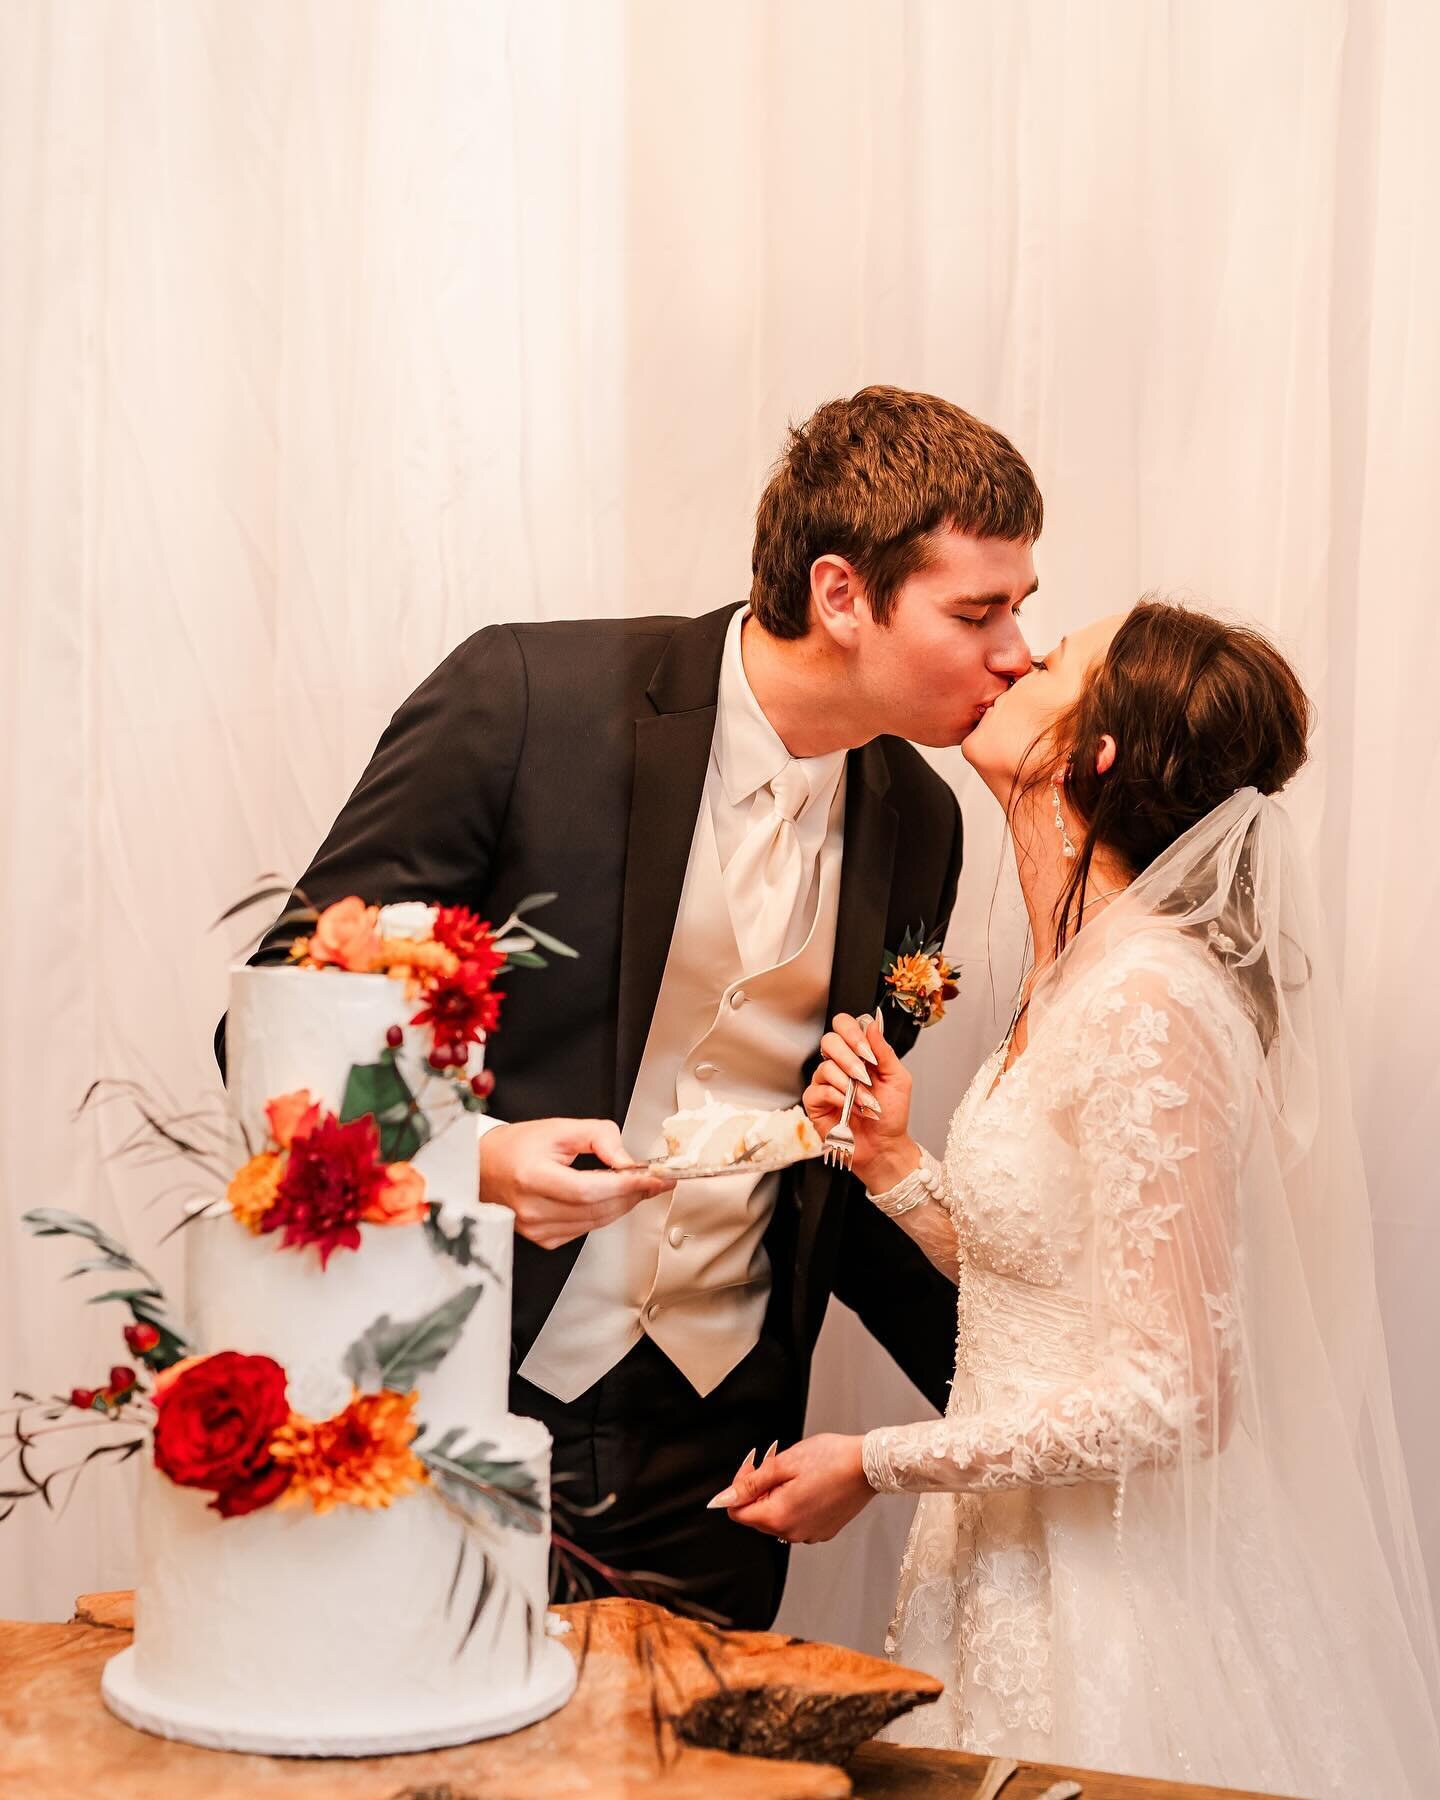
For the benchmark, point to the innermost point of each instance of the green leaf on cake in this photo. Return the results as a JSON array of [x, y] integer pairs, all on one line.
[[523, 959], [474, 1478], [552, 944], [462, 1245], [394, 1353], [380, 1089]]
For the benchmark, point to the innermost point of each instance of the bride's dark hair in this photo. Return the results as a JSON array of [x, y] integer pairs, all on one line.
[[1198, 708]]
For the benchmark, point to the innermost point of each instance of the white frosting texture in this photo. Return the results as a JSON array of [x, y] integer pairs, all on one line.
[[342, 1632]]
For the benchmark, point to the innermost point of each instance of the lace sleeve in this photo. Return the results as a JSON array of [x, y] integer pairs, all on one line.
[[922, 1206], [1149, 1107]]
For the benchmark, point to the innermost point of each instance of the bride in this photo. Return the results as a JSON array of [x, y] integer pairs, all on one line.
[[1164, 1525]]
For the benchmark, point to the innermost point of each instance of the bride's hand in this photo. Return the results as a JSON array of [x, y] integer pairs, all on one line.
[[880, 1117], [805, 1494]]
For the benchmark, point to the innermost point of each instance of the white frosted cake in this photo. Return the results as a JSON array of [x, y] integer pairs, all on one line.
[[720, 1134], [415, 1614]]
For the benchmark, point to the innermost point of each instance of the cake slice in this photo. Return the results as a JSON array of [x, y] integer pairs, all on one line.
[[720, 1134]]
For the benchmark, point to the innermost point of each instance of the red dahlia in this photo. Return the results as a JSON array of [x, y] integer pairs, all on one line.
[[458, 929], [332, 1174], [460, 1009]]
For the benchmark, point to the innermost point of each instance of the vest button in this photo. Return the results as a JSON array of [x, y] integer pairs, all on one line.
[[677, 1236], [738, 998], [705, 1071]]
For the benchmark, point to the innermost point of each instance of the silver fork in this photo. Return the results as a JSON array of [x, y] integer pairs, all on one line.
[[837, 1148]]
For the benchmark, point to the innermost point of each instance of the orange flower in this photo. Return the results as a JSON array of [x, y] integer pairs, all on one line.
[[402, 1199], [915, 975], [164, 1377], [416, 959], [291, 1116], [921, 985], [361, 1457], [253, 1189], [347, 935]]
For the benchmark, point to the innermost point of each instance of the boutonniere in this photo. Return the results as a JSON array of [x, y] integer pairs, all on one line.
[[918, 980]]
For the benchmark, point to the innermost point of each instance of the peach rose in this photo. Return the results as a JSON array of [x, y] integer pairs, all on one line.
[[402, 1199], [347, 935], [291, 1116]]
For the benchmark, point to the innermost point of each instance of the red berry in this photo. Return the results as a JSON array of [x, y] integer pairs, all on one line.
[[394, 1037], [121, 1380], [84, 1398], [141, 1338], [482, 1085]]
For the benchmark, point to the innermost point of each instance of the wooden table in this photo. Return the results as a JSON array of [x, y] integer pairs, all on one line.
[[57, 1741]]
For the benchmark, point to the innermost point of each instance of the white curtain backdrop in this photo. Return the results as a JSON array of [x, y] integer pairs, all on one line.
[[333, 331]]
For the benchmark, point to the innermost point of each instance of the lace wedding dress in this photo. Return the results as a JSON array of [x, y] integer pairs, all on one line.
[[1164, 1527]]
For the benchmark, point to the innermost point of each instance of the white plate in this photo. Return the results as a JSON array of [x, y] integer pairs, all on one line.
[[675, 1171]]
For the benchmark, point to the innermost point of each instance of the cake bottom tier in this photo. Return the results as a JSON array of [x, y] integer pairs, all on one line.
[[344, 1633]]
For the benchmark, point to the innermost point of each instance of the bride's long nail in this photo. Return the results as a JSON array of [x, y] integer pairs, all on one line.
[[863, 1077], [769, 1453], [870, 1105], [862, 1049], [726, 1497]]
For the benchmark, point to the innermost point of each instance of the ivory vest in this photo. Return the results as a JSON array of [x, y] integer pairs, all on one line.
[[689, 1267]]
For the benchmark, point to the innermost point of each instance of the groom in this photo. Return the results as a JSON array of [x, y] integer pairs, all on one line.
[[736, 833]]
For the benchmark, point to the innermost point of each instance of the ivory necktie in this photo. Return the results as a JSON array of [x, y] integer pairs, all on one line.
[[762, 879]]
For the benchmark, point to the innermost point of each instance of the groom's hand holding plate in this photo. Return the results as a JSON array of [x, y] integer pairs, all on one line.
[[527, 1168]]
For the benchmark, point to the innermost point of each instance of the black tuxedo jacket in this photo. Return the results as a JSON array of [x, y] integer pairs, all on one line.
[[571, 758]]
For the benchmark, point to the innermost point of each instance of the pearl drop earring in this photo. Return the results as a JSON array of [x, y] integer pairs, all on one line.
[[1066, 846]]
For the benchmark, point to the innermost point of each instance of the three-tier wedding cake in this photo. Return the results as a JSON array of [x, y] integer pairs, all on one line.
[[345, 1534]]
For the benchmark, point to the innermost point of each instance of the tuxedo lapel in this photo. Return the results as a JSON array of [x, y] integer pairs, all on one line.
[[871, 825], [871, 831], [672, 752]]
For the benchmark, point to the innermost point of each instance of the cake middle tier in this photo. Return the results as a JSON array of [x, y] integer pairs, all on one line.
[[249, 1294]]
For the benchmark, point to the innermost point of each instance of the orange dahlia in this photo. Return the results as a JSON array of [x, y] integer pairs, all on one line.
[[361, 1457], [415, 960], [253, 1189]]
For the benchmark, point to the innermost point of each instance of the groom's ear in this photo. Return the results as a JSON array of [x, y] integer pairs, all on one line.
[[837, 596]]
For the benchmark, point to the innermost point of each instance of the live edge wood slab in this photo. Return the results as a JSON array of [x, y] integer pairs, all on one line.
[[663, 1706]]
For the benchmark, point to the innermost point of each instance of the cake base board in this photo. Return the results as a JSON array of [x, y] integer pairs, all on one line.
[[551, 1683]]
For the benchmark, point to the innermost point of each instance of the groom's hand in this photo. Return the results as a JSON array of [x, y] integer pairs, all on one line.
[[527, 1168]]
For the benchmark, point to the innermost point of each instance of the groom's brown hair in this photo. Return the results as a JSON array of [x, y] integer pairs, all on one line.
[[869, 478]]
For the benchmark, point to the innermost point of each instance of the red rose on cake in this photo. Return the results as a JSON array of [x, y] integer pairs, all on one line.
[[215, 1422]]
